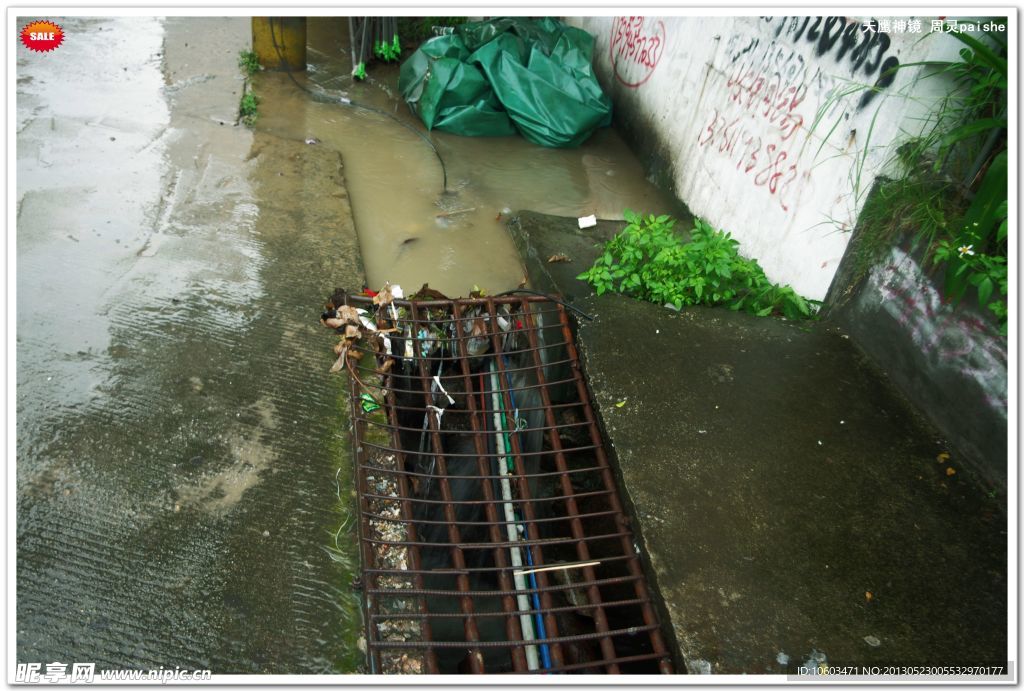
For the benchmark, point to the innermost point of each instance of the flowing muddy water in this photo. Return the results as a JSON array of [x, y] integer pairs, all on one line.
[[411, 231], [181, 447]]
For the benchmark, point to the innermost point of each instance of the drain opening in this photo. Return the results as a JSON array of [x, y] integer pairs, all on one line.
[[492, 535]]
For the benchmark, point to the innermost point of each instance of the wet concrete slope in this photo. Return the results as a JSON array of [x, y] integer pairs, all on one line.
[[796, 509], [180, 445]]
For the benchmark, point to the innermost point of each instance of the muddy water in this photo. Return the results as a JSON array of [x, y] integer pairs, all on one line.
[[411, 230], [180, 446]]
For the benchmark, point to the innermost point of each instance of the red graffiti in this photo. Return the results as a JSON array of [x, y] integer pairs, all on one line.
[[751, 153], [758, 127], [949, 339], [635, 53], [766, 96]]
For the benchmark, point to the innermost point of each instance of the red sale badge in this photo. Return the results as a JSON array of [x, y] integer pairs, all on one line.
[[42, 36]]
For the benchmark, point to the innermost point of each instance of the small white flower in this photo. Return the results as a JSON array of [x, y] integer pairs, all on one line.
[[965, 250]]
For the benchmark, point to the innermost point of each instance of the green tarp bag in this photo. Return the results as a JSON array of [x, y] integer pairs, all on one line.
[[499, 77]]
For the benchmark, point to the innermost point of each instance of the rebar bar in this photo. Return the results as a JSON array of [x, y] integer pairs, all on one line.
[[468, 384]]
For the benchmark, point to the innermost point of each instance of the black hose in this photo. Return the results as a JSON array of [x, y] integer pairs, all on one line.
[[344, 101]]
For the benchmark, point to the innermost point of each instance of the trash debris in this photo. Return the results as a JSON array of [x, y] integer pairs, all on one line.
[[872, 641], [816, 663], [700, 667], [950, 472], [437, 379], [387, 529], [312, 140], [368, 404], [556, 258], [782, 658], [942, 457], [621, 403], [587, 221]]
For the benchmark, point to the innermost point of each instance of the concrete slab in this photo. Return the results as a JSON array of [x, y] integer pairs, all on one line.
[[182, 464], [793, 505], [539, 237]]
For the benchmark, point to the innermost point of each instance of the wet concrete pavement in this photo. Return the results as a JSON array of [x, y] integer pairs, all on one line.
[[181, 446], [795, 508]]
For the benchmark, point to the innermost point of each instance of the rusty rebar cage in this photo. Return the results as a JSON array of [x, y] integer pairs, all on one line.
[[492, 535]]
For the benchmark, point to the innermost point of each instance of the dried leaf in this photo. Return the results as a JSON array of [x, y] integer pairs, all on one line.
[[348, 314], [384, 297], [428, 293], [950, 472], [942, 457], [868, 596], [340, 346], [555, 258]]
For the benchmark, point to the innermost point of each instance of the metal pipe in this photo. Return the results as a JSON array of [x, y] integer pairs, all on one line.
[[510, 527]]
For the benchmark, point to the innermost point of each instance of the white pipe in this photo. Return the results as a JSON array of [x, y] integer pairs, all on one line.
[[525, 620]]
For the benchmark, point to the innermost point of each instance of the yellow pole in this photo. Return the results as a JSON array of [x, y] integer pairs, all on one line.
[[289, 33]]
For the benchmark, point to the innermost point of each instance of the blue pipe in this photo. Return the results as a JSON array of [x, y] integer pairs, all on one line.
[[545, 654]]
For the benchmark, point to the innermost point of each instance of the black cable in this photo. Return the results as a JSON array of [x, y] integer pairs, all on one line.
[[342, 100], [550, 297]]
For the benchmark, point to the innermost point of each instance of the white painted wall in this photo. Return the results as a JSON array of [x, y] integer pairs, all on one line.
[[764, 143]]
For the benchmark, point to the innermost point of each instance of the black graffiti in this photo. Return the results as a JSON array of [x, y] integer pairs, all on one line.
[[843, 39], [887, 76]]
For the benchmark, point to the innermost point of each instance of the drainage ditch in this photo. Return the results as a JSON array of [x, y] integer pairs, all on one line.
[[492, 535]]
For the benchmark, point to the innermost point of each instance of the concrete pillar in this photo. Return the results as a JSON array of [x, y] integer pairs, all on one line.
[[290, 35]]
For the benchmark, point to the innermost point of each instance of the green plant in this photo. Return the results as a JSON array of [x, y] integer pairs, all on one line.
[[648, 260], [952, 196], [247, 109], [979, 129], [910, 206], [248, 62], [968, 268]]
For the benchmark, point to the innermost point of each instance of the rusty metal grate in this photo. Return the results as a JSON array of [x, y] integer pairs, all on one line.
[[492, 535]]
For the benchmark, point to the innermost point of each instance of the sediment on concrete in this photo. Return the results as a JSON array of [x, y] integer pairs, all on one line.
[[305, 188], [794, 507]]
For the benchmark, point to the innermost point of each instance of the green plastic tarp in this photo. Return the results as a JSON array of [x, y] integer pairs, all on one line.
[[499, 77]]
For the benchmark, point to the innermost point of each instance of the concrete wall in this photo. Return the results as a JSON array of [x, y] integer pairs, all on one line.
[[760, 126], [950, 361]]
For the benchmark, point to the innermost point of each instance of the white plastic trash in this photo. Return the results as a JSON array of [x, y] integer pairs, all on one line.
[[587, 221]]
